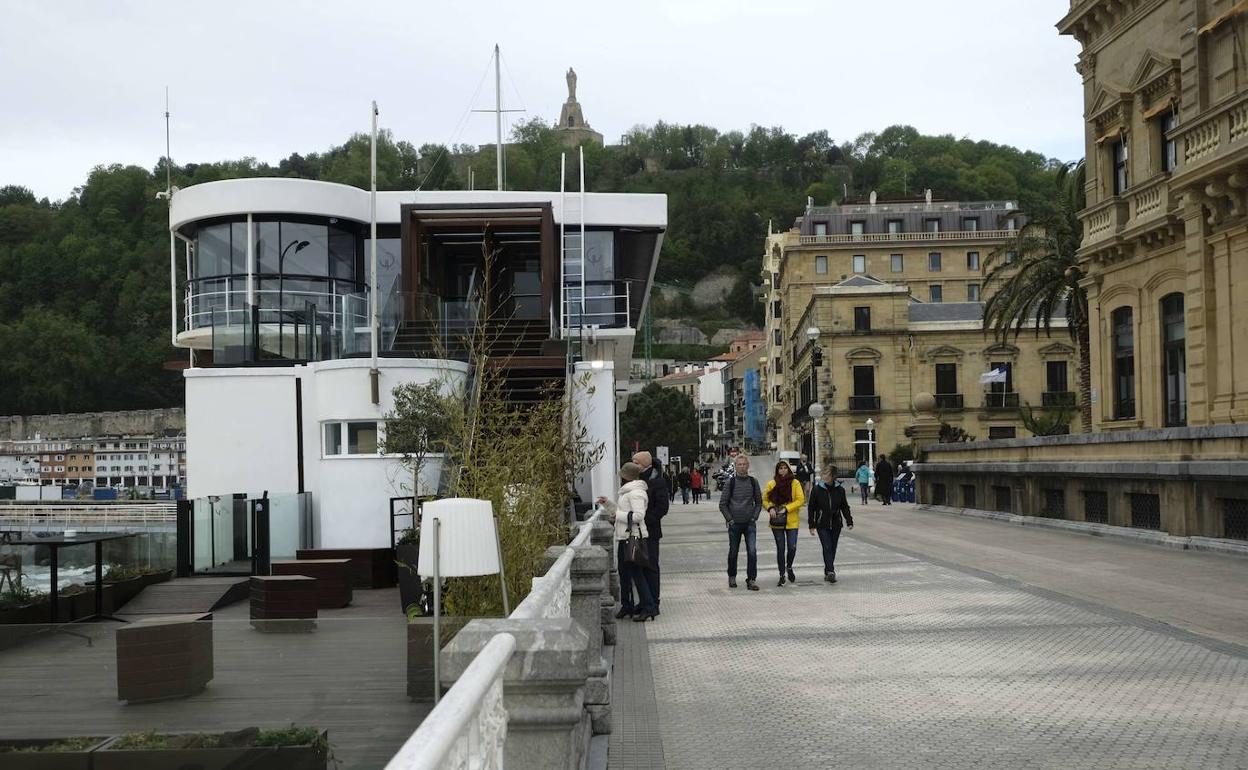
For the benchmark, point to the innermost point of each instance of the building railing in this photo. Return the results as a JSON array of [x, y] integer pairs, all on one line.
[[607, 304], [1057, 398], [914, 237], [949, 401], [864, 403], [1001, 400], [39, 517], [468, 727]]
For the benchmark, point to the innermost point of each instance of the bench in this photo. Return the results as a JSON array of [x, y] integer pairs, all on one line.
[[333, 584], [163, 657], [283, 603], [369, 567]]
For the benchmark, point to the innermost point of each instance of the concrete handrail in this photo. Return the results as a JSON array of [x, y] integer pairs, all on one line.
[[469, 722]]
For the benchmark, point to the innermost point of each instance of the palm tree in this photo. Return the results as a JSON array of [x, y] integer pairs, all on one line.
[[1037, 274]]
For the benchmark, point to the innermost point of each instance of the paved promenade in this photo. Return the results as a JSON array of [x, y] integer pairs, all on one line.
[[947, 643]]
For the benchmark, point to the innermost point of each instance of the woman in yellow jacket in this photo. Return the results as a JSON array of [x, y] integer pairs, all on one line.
[[783, 497]]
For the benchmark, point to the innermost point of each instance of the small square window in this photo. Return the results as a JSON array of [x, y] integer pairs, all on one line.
[[970, 224], [896, 263], [821, 228], [361, 438], [934, 293], [895, 227], [821, 265], [931, 225], [933, 262], [860, 263], [862, 319], [972, 292], [856, 229], [972, 260]]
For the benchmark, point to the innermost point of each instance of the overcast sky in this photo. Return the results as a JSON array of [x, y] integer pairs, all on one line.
[[82, 82]]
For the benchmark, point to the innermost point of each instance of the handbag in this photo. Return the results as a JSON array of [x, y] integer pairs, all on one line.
[[635, 550], [778, 517]]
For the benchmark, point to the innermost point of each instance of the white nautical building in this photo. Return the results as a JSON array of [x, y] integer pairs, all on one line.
[[271, 282]]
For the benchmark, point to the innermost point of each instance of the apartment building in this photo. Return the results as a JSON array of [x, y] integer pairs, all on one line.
[[873, 302]]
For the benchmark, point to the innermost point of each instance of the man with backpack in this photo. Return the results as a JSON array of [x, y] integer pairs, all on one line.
[[740, 504]]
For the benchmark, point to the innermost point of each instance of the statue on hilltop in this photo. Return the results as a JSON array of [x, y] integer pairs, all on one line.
[[571, 76]]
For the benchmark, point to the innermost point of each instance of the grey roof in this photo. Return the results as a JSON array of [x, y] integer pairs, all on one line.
[[946, 311]]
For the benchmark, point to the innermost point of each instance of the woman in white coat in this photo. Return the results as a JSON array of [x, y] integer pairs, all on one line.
[[629, 515]]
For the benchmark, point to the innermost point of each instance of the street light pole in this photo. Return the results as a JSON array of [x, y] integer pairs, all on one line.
[[871, 446], [816, 409]]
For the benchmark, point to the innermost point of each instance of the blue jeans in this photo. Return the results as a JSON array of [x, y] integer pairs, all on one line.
[[828, 539], [750, 532], [684, 495], [633, 576], [783, 537]]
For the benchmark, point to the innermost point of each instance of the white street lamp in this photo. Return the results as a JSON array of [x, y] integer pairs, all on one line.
[[812, 333], [816, 411]]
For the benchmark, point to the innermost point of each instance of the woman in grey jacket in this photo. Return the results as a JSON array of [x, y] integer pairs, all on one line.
[[629, 516]]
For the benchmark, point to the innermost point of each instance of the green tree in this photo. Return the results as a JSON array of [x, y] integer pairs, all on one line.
[[659, 416], [1037, 275]]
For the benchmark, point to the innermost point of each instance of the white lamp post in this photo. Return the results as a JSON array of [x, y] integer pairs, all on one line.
[[816, 411], [454, 537], [871, 447]]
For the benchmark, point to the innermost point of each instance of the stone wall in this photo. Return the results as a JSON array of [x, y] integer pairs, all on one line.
[[86, 424], [1187, 482]]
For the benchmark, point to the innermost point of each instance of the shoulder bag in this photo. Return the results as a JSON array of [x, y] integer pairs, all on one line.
[[635, 551]]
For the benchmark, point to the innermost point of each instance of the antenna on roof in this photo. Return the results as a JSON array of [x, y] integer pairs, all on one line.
[[168, 158]]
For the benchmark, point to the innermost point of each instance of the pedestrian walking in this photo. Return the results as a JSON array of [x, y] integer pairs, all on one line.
[[739, 504], [824, 515], [884, 480], [695, 483], [685, 479], [656, 508], [783, 500], [863, 477], [805, 474], [670, 477], [628, 514]]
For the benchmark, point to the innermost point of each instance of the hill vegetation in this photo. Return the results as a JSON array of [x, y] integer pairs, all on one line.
[[84, 296]]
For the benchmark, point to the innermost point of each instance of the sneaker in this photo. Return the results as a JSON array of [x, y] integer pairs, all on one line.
[[792, 577], [750, 584], [732, 582]]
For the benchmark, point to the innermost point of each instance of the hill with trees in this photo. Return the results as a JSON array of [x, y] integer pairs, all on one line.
[[84, 303]]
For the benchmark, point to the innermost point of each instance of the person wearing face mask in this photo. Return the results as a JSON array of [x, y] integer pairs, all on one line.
[[783, 500]]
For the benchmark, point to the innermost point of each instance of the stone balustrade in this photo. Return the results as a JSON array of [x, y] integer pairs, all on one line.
[[529, 690]]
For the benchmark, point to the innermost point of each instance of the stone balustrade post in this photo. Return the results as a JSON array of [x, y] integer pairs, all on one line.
[[543, 688], [603, 535], [590, 565]]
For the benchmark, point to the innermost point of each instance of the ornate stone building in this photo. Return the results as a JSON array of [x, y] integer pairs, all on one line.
[[893, 292], [1165, 232]]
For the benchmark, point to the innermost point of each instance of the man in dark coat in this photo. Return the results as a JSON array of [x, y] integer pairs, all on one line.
[[825, 512], [656, 509], [884, 480]]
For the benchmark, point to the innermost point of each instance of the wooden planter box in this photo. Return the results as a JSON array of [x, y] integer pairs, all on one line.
[[164, 657], [283, 603], [369, 567], [333, 583], [45, 760], [230, 758], [420, 653]]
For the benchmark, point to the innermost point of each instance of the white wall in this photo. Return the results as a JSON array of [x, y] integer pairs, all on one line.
[[240, 431]]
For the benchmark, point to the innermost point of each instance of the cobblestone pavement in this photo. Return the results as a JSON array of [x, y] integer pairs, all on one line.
[[918, 663]]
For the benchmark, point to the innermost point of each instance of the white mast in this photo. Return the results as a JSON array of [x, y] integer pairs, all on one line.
[[498, 114], [373, 315]]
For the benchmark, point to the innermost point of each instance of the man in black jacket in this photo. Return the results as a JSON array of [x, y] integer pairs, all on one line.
[[884, 480], [824, 512], [656, 509]]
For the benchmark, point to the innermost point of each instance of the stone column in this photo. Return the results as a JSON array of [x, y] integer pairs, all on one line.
[[543, 688], [589, 578], [603, 535], [924, 430]]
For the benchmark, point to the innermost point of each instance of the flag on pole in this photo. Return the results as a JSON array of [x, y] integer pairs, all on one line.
[[996, 375]]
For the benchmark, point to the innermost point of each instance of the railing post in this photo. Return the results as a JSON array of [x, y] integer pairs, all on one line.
[[590, 566], [543, 688], [602, 534]]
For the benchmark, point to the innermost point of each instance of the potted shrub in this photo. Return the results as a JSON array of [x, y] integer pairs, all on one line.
[[48, 753], [407, 557], [289, 748]]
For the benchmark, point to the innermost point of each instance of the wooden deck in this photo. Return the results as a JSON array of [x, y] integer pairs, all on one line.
[[348, 677], [182, 595]]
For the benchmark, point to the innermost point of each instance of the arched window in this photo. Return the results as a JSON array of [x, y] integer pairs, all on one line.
[[1174, 358], [1122, 337], [571, 121]]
